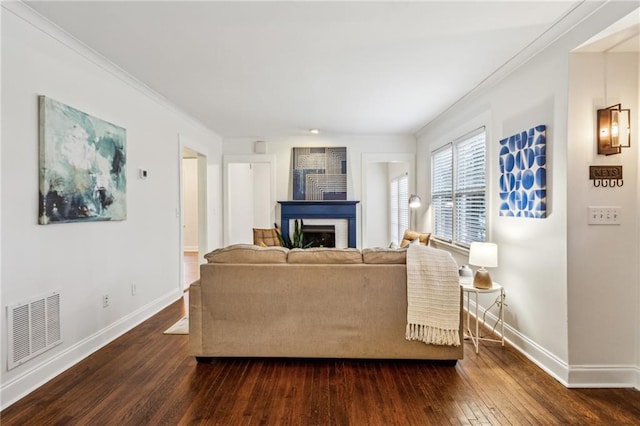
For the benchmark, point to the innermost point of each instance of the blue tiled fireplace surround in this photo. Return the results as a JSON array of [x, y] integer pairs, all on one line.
[[290, 210]]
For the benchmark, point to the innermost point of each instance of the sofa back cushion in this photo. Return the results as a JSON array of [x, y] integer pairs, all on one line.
[[248, 253], [318, 255], [384, 255]]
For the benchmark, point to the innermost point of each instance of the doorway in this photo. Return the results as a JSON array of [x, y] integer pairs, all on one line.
[[377, 172], [249, 196], [193, 217]]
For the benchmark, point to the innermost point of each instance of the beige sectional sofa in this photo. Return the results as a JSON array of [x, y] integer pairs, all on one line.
[[256, 301]]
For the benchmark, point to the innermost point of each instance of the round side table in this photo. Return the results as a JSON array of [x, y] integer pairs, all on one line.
[[468, 289]]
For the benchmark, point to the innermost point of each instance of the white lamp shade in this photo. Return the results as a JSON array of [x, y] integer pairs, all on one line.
[[415, 201], [483, 254]]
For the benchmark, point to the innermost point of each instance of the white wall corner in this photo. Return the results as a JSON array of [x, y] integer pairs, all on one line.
[[548, 362], [40, 374]]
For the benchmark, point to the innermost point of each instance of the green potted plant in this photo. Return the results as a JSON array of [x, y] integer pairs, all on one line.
[[298, 236]]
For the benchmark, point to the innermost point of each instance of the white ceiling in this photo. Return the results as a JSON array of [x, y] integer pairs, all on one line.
[[269, 69]]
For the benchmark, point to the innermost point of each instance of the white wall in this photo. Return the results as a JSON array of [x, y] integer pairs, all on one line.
[[261, 195], [86, 260], [603, 267], [190, 204], [377, 205], [249, 198], [241, 200], [356, 146], [397, 169], [533, 253], [637, 381]]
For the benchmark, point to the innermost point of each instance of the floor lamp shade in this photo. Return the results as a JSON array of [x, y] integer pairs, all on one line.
[[414, 202], [484, 255]]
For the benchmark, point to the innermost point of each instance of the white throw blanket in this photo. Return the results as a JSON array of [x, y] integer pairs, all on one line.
[[433, 296]]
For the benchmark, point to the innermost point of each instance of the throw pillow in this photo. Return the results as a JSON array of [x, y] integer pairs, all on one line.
[[409, 236]]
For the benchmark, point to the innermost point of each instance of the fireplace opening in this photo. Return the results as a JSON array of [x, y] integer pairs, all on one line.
[[319, 235]]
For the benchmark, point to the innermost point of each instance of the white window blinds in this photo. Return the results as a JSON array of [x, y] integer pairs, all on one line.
[[459, 188], [393, 212], [442, 192], [399, 207]]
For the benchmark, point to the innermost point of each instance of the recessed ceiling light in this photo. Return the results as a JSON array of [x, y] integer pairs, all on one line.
[[314, 131]]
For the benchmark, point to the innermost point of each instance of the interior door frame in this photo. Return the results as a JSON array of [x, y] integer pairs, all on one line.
[[367, 159], [246, 159], [202, 206]]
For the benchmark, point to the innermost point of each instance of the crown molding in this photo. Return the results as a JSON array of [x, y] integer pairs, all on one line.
[[39, 22]]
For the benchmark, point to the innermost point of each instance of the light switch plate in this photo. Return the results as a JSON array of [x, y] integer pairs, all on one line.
[[604, 215]]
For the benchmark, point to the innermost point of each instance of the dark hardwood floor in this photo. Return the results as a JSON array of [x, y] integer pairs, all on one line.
[[147, 378], [190, 268]]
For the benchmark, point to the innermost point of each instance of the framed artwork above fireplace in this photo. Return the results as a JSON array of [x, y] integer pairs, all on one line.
[[319, 174]]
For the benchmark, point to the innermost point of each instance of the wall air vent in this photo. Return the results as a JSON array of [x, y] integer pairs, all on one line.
[[33, 328]]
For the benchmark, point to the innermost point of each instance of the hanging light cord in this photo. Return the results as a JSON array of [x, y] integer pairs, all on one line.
[[604, 76]]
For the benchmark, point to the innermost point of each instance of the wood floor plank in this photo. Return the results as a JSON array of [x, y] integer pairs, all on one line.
[[147, 378]]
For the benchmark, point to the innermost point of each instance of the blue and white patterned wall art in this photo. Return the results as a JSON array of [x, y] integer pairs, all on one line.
[[320, 173], [523, 174]]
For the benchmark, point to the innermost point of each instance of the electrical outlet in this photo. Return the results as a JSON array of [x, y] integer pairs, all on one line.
[[610, 215], [105, 301], [134, 288]]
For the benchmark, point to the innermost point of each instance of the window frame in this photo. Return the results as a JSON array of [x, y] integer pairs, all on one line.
[[400, 208], [439, 196]]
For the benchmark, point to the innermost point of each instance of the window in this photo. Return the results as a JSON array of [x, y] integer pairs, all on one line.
[[458, 191], [399, 215]]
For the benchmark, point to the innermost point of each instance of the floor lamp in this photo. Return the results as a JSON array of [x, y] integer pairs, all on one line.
[[414, 202]]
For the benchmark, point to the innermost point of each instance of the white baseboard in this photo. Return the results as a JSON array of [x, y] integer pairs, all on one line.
[[571, 376], [547, 361], [40, 374], [603, 376]]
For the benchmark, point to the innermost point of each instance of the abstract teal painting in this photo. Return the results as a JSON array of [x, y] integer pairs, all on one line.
[[82, 166], [523, 174]]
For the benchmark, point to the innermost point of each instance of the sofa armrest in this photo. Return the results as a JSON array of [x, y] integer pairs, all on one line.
[[195, 318]]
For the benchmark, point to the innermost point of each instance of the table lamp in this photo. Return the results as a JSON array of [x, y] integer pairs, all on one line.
[[484, 255]]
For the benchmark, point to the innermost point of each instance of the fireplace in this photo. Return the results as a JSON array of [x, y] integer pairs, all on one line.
[[319, 235], [340, 214]]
